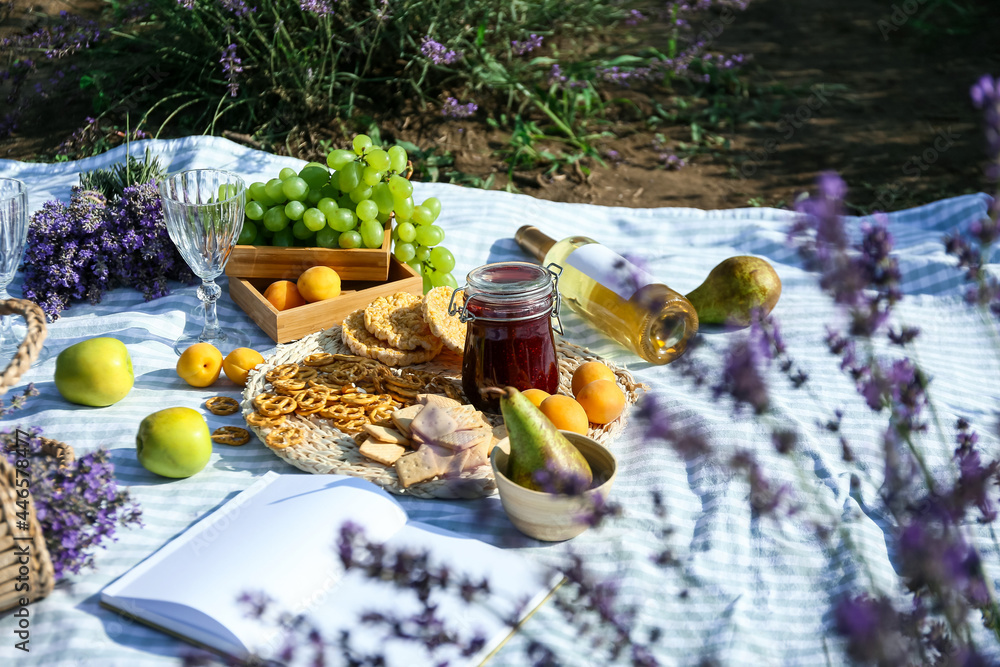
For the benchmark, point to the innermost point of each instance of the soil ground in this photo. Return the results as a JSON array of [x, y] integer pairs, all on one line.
[[857, 86]]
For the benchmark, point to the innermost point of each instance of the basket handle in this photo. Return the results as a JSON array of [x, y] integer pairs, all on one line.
[[28, 351]]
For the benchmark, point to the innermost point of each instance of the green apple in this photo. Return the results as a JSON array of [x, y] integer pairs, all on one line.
[[174, 442], [95, 372]]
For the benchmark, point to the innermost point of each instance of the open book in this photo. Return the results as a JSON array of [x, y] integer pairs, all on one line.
[[279, 537]]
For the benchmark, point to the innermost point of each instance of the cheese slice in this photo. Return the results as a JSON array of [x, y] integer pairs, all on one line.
[[431, 423], [459, 440]]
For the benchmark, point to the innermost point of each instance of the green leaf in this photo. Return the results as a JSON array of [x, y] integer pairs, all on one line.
[[410, 148], [481, 35], [626, 60]]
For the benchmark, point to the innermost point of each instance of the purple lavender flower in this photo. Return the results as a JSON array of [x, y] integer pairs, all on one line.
[[59, 38], [18, 401], [527, 46], [317, 7], [689, 441], [742, 377], [848, 274], [874, 631], [986, 96], [453, 109], [437, 53], [984, 289], [70, 34], [765, 499], [672, 162], [81, 250], [232, 67], [66, 256], [147, 259], [556, 76], [635, 17], [626, 77], [238, 8], [78, 505]]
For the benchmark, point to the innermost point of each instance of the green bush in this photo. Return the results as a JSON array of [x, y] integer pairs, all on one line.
[[264, 66]]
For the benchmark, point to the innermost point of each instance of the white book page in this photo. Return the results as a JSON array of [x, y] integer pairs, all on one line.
[[277, 537], [517, 587]]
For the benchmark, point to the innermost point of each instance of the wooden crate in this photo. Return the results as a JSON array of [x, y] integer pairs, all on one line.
[[252, 261], [288, 325]]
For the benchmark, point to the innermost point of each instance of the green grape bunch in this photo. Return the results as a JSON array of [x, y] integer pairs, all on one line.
[[347, 203]]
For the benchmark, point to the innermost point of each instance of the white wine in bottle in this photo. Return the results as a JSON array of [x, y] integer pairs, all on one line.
[[615, 296]]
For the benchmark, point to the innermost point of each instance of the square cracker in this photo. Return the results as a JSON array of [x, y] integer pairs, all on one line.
[[384, 434], [404, 416], [385, 453], [440, 400], [418, 466]]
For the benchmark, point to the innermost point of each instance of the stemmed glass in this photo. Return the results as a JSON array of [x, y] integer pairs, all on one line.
[[203, 209], [13, 234]]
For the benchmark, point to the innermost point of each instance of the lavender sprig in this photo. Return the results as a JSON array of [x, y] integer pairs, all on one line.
[[527, 46], [437, 53], [18, 401], [232, 67], [453, 109]]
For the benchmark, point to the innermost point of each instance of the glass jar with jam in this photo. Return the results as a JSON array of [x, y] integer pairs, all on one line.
[[509, 308]]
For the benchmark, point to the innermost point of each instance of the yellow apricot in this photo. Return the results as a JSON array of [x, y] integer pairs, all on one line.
[[199, 365], [602, 400], [283, 294], [238, 364], [319, 283], [536, 396], [565, 413], [588, 372]]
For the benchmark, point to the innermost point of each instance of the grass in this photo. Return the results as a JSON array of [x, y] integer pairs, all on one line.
[[555, 75]]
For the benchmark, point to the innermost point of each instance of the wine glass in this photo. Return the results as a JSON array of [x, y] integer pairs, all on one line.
[[13, 234], [203, 209]]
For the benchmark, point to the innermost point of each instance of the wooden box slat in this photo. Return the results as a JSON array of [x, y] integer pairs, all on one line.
[[288, 325], [251, 261]]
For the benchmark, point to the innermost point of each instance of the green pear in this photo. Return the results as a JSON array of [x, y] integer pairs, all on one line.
[[536, 444], [95, 372], [734, 289]]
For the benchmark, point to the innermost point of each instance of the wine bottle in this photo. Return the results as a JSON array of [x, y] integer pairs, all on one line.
[[615, 296]]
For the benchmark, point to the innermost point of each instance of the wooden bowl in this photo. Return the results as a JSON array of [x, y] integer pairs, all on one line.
[[548, 516]]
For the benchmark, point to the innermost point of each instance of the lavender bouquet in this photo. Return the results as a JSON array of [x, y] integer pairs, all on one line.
[[103, 239], [79, 506]]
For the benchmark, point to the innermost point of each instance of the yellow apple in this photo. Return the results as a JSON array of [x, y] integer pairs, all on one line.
[[200, 364], [95, 372], [174, 442]]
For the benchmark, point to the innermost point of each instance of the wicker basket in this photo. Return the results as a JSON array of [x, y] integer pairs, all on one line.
[[14, 537], [28, 351], [16, 534]]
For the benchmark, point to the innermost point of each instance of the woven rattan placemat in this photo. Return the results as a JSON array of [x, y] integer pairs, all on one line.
[[327, 450]]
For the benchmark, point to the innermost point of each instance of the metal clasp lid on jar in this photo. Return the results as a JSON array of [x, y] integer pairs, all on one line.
[[544, 282]]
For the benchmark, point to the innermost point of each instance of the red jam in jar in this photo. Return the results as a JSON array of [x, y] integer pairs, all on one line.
[[509, 342]]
